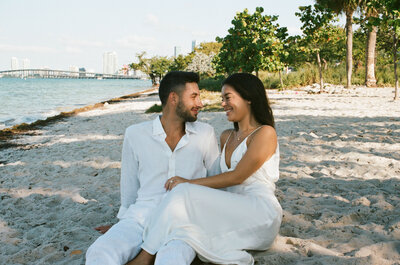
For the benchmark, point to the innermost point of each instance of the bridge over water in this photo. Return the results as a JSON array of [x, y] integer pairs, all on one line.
[[50, 73]]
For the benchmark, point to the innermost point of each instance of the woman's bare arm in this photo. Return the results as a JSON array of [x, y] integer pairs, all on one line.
[[261, 147]]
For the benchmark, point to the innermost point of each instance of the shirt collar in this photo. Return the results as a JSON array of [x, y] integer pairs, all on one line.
[[158, 128], [190, 127]]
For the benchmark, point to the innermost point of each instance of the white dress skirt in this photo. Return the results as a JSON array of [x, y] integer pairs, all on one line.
[[220, 224]]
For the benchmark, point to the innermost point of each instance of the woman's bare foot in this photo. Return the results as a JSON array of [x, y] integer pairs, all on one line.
[[144, 258]]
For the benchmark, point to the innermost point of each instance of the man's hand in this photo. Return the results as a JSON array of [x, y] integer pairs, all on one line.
[[103, 229], [172, 182]]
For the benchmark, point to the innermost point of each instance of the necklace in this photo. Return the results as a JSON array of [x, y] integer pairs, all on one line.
[[239, 137]]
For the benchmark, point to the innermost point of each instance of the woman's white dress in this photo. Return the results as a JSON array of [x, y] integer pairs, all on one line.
[[220, 225]]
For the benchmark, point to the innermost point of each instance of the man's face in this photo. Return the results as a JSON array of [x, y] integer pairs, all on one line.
[[189, 103]]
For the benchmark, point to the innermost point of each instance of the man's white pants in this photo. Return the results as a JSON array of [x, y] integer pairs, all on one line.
[[123, 242]]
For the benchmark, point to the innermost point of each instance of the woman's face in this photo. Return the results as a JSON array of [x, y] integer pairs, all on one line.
[[234, 105]]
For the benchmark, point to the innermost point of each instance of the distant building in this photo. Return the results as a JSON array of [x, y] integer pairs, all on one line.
[[110, 63], [193, 45], [74, 69], [26, 63], [82, 72], [14, 63], [177, 51]]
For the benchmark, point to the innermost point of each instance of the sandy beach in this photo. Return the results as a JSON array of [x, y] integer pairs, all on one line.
[[339, 185]]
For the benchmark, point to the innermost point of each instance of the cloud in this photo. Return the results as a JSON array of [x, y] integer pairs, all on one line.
[[194, 33], [136, 42], [152, 19], [26, 48], [80, 42], [202, 34], [75, 50]]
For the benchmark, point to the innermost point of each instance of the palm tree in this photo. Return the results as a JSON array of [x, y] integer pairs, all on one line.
[[348, 7], [370, 14], [370, 79]]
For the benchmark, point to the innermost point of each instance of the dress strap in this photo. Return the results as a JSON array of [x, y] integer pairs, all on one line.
[[255, 130], [227, 139], [247, 137]]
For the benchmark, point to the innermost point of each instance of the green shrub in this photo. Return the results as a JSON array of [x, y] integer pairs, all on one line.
[[308, 74], [154, 108], [385, 75], [212, 84]]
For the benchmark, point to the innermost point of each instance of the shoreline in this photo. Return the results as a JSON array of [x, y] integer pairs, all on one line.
[[10, 133]]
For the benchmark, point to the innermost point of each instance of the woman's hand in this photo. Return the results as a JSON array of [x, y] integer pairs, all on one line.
[[172, 182]]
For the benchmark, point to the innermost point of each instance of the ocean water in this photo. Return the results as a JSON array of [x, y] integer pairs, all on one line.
[[27, 100]]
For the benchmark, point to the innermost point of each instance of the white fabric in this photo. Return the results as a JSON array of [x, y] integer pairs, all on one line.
[[123, 242], [176, 252], [218, 224], [118, 246], [147, 163]]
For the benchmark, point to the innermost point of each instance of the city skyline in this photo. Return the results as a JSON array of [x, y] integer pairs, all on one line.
[[110, 62], [63, 34], [15, 65]]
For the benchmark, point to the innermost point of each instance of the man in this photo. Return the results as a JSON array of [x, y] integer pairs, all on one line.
[[173, 144]]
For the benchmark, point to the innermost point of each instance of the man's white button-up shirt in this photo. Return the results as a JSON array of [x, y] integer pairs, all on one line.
[[148, 161]]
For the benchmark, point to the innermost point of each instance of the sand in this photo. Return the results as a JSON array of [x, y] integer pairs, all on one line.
[[339, 185]]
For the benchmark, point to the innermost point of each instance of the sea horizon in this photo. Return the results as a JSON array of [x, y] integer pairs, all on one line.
[[31, 99]]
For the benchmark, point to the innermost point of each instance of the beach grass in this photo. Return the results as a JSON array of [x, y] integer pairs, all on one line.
[[213, 107], [154, 109], [308, 74]]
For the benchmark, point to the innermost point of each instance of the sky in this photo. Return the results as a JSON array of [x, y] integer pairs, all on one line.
[[58, 34]]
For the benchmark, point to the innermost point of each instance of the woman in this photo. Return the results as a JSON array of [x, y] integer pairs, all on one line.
[[219, 225]]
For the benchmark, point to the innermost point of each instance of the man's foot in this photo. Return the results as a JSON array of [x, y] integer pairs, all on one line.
[[103, 229], [143, 258]]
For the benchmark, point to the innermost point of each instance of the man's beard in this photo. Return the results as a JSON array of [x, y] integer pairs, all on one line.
[[184, 113]]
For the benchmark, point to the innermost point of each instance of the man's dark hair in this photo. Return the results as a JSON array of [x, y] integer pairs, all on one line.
[[175, 81]]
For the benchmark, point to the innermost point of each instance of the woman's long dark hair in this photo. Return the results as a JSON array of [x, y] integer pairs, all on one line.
[[252, 89]]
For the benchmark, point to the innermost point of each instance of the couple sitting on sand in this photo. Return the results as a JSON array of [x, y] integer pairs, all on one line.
[[180, 197]]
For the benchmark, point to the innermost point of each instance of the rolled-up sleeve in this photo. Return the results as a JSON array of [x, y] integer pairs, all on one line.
[[129, 184]]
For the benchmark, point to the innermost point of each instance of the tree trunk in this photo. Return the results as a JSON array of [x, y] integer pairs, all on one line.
[[280, 78], [153, 79], [325, 64], [349, 46], [257, 73], [370, 80], [396, 80], [321, 80]]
